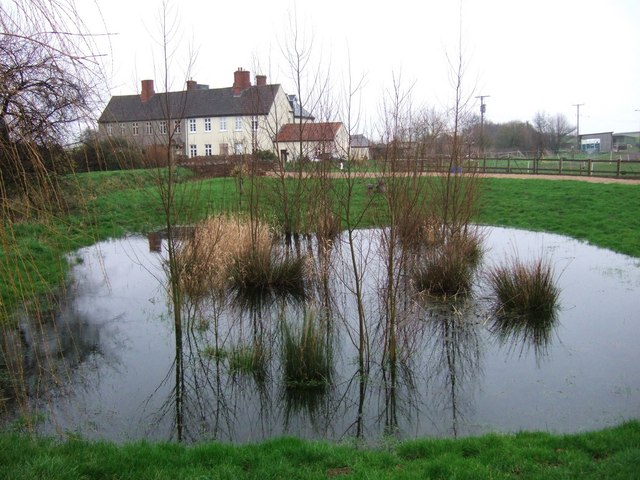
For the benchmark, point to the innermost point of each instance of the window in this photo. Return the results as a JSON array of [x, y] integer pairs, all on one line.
[[238, 124], [238, 148], [207, 149], [134, 128], [193, 150], [109, 129], [192, 125], [254, 124], [223, 124], [176, 126], [148, 128], [207, 124], [163, 127], [224, 149], [123, 128]]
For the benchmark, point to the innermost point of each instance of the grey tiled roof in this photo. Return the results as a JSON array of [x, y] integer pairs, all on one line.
[[359, 141], [217, 102]]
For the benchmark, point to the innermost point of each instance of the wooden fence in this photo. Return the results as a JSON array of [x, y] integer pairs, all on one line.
[[614, 168]]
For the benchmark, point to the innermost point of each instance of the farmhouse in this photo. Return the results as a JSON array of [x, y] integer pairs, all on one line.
[[312, 141], [201, 121]]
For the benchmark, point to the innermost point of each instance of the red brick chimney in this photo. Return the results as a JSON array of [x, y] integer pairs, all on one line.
[[261, 80], [192, 85], [241, 80], [147, 91]]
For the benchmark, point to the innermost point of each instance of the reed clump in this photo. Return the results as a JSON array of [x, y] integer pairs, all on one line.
[[306, 355], [448, 268], [265, 270], [525, 288]]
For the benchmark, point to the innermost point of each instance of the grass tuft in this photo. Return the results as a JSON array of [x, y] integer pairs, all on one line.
[[525, 289], [448, 269], [306, 354]]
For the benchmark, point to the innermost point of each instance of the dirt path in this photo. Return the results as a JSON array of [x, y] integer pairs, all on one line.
[[488, 175]]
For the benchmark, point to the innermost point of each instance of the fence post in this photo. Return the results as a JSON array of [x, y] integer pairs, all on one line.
[[560, 166], [589, 167], [508, 164], [618, 165]]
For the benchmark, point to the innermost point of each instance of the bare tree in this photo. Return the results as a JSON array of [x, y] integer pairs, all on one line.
[[552, 131], [48, 70]]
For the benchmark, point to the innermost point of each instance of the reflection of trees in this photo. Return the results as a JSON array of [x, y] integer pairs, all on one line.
[[454, 359], [43, 351]]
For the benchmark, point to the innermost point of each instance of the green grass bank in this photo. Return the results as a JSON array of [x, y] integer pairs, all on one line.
[[111, 204], [607, 454]]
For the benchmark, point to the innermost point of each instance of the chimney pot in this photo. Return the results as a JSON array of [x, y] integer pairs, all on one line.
[[241, 80], [261, 80]]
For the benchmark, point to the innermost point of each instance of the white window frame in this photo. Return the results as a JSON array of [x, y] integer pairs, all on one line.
[[109, 129], [207, 124], [135, 128], [223, 124], [193, 150], [123, 128], [163, 127], [148, 128], [238, 124], [177, 126], [254, 123], [238, 148], [208, 151], [193, 126]]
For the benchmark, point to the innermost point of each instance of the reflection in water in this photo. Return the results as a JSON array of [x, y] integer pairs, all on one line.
[[455, 358], [121, 377], [520, 332], [39, 354]]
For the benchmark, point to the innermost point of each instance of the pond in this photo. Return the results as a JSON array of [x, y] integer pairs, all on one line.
[[105, 366]]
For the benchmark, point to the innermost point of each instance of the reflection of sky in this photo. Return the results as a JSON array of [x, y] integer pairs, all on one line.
[[588, 380]]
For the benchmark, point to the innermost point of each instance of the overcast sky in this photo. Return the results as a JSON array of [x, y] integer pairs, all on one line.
[[528, 56]]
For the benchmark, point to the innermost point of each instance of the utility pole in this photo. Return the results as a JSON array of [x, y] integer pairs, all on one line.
[[483, 108], [638, 139], [578, 105]]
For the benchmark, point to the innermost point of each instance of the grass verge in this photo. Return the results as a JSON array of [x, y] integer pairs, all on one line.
[[612, 453]]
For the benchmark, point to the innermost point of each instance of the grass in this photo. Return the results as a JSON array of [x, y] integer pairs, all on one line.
[[525, 288], [612, 453], [447, 270], [306, 355], [602, 214], [32, 252]]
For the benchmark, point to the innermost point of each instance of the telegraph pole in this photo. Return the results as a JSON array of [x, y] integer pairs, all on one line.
[[578, 105], [483, 108]]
